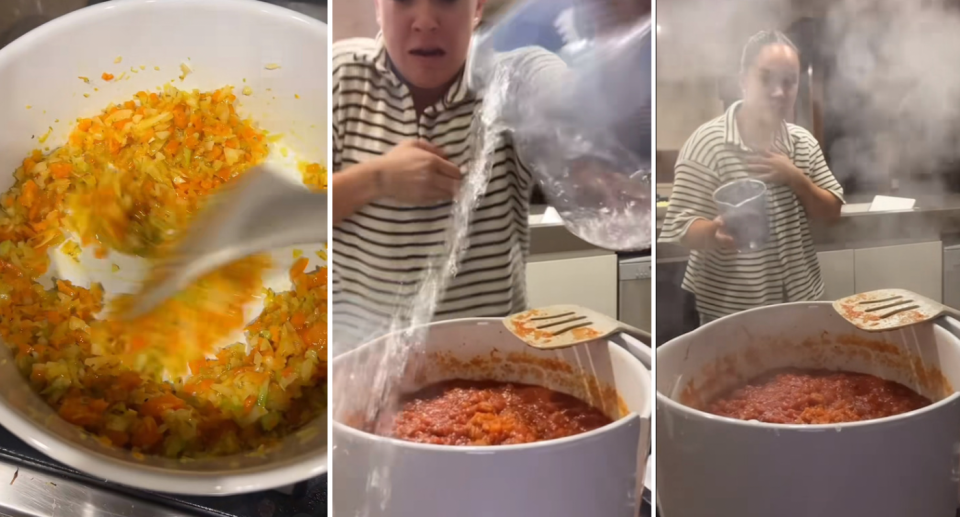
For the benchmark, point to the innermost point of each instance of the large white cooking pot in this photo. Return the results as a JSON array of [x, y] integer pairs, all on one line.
[[223, 42], [593, 474], [891, 467]]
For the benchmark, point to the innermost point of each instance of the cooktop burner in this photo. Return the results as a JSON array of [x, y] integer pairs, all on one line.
[[63, 486]]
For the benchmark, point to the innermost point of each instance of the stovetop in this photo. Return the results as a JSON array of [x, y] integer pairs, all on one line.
[[37, 482]]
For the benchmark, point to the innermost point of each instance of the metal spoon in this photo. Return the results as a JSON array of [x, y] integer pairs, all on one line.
[[259, 211]]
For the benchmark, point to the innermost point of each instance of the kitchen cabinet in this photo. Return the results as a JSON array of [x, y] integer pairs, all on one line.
[[571, 278], [915, 267], [837, 271]]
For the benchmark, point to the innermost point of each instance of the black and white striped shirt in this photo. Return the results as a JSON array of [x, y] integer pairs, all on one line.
[[786, 269], [381, 252]]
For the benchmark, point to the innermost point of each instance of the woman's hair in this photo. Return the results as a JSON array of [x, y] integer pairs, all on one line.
[[760, 40]]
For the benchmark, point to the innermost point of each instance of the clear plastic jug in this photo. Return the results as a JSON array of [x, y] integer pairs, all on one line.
[[586, 138]]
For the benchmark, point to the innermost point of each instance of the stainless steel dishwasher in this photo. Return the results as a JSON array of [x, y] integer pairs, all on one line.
[[635, 298], [951, 275]]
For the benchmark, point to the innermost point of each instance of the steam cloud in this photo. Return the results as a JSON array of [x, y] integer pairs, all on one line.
[[893, 90]]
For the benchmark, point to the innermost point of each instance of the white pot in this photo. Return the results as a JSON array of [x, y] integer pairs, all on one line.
[[223, 42], [896, 466], [599, 473]]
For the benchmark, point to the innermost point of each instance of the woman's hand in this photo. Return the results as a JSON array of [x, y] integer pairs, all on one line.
[[708, 235], [416, 171], [773, 167], [722, 239]]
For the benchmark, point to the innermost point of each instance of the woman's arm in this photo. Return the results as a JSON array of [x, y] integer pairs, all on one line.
[[691, 219], [354, 188], [819, 203], [810, 178], [414, 172]]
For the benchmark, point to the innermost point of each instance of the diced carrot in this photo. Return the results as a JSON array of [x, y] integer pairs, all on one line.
[[180, 118], [215, 153], [61, 170], [29, 194], [118, 438], [129, 380], [145, 434], [86, 413], [196, 366], [299, 266], [137, 343], [298, 320], [107, 76], [157, 406]]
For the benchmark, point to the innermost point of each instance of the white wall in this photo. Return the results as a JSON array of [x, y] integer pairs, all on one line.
[[353, 19], [682, 106]]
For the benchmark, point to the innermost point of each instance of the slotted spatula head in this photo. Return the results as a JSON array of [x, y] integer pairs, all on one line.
[[560, 326], [887, 309]]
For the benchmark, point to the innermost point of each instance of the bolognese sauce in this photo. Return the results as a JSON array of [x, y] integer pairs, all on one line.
[[490, 413], [817, 397]]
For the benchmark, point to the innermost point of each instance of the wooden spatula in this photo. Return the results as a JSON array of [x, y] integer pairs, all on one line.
[[890, 309], [562, 326]]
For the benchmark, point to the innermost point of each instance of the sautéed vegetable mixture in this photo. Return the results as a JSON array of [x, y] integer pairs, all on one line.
[[128, 181]]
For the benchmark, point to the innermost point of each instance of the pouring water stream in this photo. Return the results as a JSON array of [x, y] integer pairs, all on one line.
[[408, 328]]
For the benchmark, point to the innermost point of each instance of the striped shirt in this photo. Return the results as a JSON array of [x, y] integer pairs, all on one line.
[[786, 269], [382, 251]]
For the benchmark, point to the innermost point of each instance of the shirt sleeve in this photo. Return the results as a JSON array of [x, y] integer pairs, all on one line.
[[809, 157], [337, 146], [691, 199], [335, 126]]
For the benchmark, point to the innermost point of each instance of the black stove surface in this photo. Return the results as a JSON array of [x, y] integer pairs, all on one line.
[[308, 499]]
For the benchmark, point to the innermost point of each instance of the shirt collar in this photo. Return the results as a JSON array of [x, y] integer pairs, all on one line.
[[458, 93], [731, 137]]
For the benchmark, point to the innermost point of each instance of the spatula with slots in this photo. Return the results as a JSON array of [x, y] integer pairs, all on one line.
[[890, 309], [259, 211], [562, 326]]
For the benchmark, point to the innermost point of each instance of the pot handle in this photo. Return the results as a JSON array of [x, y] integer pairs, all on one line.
[[640, 335], [634, 349]]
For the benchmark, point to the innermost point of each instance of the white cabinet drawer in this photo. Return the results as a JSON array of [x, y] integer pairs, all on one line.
[[915, 267], [586, 281]]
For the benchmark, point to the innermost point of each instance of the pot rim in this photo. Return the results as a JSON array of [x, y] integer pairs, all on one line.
[[337, 426], [690, 412], [92, 11], [148, 477]]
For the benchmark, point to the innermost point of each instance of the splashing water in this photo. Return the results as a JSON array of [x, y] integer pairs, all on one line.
[[408, 329]]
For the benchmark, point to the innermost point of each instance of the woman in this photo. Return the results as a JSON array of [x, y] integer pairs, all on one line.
[[402, 115], [752, 139]]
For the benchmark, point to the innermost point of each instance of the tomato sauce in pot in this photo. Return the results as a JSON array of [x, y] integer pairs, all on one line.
[[817, 397], [490, 413]]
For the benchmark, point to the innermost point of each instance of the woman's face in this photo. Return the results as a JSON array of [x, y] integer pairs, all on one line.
[[428, 40], [770, 83]]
